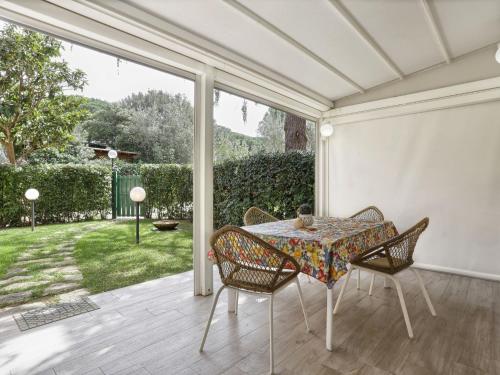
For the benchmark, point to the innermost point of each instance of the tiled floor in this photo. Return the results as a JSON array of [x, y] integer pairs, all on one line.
[[156, 328]]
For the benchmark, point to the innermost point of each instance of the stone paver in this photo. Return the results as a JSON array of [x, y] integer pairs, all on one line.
[[60, 288], [15, 298], [15, 272], [57, 273], [63, 270], [73, 277], [23, 285], [14, 279], [23, 263], [69, 296]]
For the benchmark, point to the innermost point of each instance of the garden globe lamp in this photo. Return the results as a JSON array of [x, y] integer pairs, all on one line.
[[32, 195], [112, 154], [326, 130], [137, 194]]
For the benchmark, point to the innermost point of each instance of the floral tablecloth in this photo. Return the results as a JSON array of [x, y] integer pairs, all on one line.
[[325, 252]]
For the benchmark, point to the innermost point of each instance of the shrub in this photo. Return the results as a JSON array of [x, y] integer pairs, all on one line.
[[67, 192], [169, 190], [278, 183]]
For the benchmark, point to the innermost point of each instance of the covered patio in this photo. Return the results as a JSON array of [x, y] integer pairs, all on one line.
[[156, 328], [405, 98]]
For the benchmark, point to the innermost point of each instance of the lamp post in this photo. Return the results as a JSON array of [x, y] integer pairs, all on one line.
[[32, 195], [112, 154], [137, 194]]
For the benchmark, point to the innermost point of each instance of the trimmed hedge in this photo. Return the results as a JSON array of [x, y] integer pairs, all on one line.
[[67, 193], [169, 190], [278, 183]]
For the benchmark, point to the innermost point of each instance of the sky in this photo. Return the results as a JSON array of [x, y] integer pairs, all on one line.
[[110, 81]]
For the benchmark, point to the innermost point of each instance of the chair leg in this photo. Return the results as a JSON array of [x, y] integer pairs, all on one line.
[[236, 297], [371, 284], [424, 292], [403, 306], [358, 284], [337, 304], [216, 299], [299, 290], [271, 334]]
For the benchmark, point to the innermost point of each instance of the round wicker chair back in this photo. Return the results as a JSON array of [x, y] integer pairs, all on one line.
[[402, 247], [394, 254], [255, 216], [247, 262], [371, 213]]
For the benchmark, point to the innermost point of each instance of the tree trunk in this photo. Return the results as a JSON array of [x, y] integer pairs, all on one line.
[[295, 133], [9, 150]]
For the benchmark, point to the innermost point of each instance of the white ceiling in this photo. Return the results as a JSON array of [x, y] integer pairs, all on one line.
[[337, 46]]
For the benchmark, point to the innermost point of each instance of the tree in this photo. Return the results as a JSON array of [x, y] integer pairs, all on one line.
[[295, 133], [35, 112], [283, 131], [271, 130], [107, 124], [161, 127]]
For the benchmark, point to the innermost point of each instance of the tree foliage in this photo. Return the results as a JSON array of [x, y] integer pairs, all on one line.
[[35, 112], [271, 130], [229, 145], [107, 125]]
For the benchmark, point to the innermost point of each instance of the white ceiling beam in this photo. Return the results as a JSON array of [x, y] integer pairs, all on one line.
[[269, 26], [366, 37], [431, 20]]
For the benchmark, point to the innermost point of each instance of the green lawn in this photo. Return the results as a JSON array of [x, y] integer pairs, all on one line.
[[108, 257]]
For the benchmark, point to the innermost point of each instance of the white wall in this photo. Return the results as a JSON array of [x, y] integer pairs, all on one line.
[[444, 164]]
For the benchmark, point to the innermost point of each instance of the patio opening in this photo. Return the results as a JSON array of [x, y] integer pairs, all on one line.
[[263, 157], [84, 128]]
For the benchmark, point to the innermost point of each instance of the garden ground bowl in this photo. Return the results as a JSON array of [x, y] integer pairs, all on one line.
[[165, 224]]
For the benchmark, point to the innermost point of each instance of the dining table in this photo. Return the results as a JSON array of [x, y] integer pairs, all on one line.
[[324, 249]]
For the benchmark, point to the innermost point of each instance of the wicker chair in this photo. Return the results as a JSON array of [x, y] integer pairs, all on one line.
[[388, 259], [248, 264], [370, 213], [255, 216]]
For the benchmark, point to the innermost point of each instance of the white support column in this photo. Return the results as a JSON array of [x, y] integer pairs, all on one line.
[[322, 174], [203, 182]]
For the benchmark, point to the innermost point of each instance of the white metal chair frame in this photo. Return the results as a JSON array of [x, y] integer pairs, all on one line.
[[398, 289], [248, 264], [396, 263], [271, 320]]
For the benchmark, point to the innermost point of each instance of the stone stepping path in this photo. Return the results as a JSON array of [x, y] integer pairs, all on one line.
[[40, 273]]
